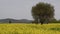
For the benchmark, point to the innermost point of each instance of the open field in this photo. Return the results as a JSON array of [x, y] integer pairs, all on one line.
[[29, 28]]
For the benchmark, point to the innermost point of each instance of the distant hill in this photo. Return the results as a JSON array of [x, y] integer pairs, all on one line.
[[15, 21]]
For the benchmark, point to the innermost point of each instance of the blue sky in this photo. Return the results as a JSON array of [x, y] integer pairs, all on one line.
[[21, 9]]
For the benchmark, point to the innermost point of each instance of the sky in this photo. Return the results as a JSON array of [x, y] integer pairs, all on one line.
[[21, 9]]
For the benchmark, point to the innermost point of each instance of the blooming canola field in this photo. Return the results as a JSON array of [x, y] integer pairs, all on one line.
[[19, 28]]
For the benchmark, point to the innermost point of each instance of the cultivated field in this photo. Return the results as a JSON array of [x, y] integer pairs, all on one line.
[[29, 29]]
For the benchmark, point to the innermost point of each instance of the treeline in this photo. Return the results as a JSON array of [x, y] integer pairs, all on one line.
[[55, 21], [52, 21]]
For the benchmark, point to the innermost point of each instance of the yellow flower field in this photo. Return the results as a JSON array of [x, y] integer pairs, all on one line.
[[17, 28]]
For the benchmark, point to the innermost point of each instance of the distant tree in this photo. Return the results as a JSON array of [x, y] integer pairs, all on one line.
[[42, 12]]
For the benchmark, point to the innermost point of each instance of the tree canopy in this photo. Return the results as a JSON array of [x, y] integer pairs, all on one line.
[[42, 12]]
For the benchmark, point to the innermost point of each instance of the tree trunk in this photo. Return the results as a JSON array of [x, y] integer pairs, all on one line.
[[9, 21], [42, 21]]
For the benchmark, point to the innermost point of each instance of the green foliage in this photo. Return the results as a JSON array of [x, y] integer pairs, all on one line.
[[56, 29], [54, 21], [42, 11]]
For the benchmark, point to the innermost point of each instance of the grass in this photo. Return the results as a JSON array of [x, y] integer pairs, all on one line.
[[20, 28]]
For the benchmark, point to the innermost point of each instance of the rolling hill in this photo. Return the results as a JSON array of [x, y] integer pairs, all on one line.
[[15, 20]]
